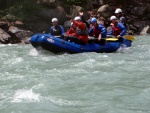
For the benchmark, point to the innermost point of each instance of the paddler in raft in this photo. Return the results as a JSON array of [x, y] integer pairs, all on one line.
[[78, 33], [97, 30], [118, 29], [120, 17], [56, 29]]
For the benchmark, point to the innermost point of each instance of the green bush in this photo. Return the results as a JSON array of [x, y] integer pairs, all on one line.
[[22, 9]]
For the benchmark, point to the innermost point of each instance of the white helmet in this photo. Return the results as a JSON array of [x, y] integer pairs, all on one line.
[[118, 10], [77, 18], [54, 20], [113, 18]]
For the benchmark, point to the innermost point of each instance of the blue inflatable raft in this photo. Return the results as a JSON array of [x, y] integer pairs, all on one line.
[[57, 45]]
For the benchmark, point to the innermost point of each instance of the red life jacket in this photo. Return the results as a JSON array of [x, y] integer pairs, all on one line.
[[71, 32], [81, 35], [96, 32], [116, 30]]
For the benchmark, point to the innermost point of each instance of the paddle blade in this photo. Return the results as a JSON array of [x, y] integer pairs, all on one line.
[[129, 37], [111, 39]]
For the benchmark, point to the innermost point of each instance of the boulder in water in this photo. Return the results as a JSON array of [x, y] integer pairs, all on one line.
[[4, 37]]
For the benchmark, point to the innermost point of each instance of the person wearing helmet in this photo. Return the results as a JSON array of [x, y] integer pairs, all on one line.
[[97, 30], [71, 31], [119, 15], [56, 30], [83, 19], [118, 29], [78, 33]]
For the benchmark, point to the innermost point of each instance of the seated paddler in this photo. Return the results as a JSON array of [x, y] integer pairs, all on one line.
[[118, 29], [97, 30], [78, 33], [56, 29]]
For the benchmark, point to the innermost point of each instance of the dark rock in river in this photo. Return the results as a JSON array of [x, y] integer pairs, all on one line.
[[4, 37], [19, 35]]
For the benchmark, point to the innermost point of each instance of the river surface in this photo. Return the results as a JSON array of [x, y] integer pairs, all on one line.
[[41, 82]]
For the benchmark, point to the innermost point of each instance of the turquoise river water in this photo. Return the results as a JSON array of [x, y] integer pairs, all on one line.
[[41, 82]]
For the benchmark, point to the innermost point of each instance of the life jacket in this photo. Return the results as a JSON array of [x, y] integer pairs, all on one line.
[[82, 32], [116, 30], [71, 32], [96, 32], [56, 30]]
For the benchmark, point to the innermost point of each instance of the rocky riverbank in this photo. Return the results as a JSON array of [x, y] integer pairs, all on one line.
[[138, 19]]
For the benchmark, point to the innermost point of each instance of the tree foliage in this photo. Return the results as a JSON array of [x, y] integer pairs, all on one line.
[[19, 8]]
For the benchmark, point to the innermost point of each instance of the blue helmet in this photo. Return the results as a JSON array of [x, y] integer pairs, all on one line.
[[93, 20]]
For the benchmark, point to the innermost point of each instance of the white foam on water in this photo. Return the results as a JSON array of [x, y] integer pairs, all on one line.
[[62, 102], [9, 44], [33, 52], [2, 45], [17, 60], [123, 49], [26, 95], [13, 61], [88, 63]]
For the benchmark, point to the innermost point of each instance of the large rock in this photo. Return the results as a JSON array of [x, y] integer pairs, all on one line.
[[74, 10], [103, 8], [48, 14], [148, 15], [142, 27], [139, 24], [67, 25], [18, 35], [48, 3], [92, 4], [38, 26], [148, 8], [148, 31], [4, 25], [106, 11], [145, 30], [13, 29], [139, 11], [24, 34], [4, 37], [133, 29], [131, 19]]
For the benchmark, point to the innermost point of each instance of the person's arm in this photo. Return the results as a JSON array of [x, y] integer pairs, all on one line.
[[103, 31], [91, 30], [99, 37], [62, 30], [110, 31], [123, 29], [83, 19], [50, 30]]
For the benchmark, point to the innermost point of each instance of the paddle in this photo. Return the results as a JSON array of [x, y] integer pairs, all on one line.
[[107, 39], [129, 37], [113, 38]]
